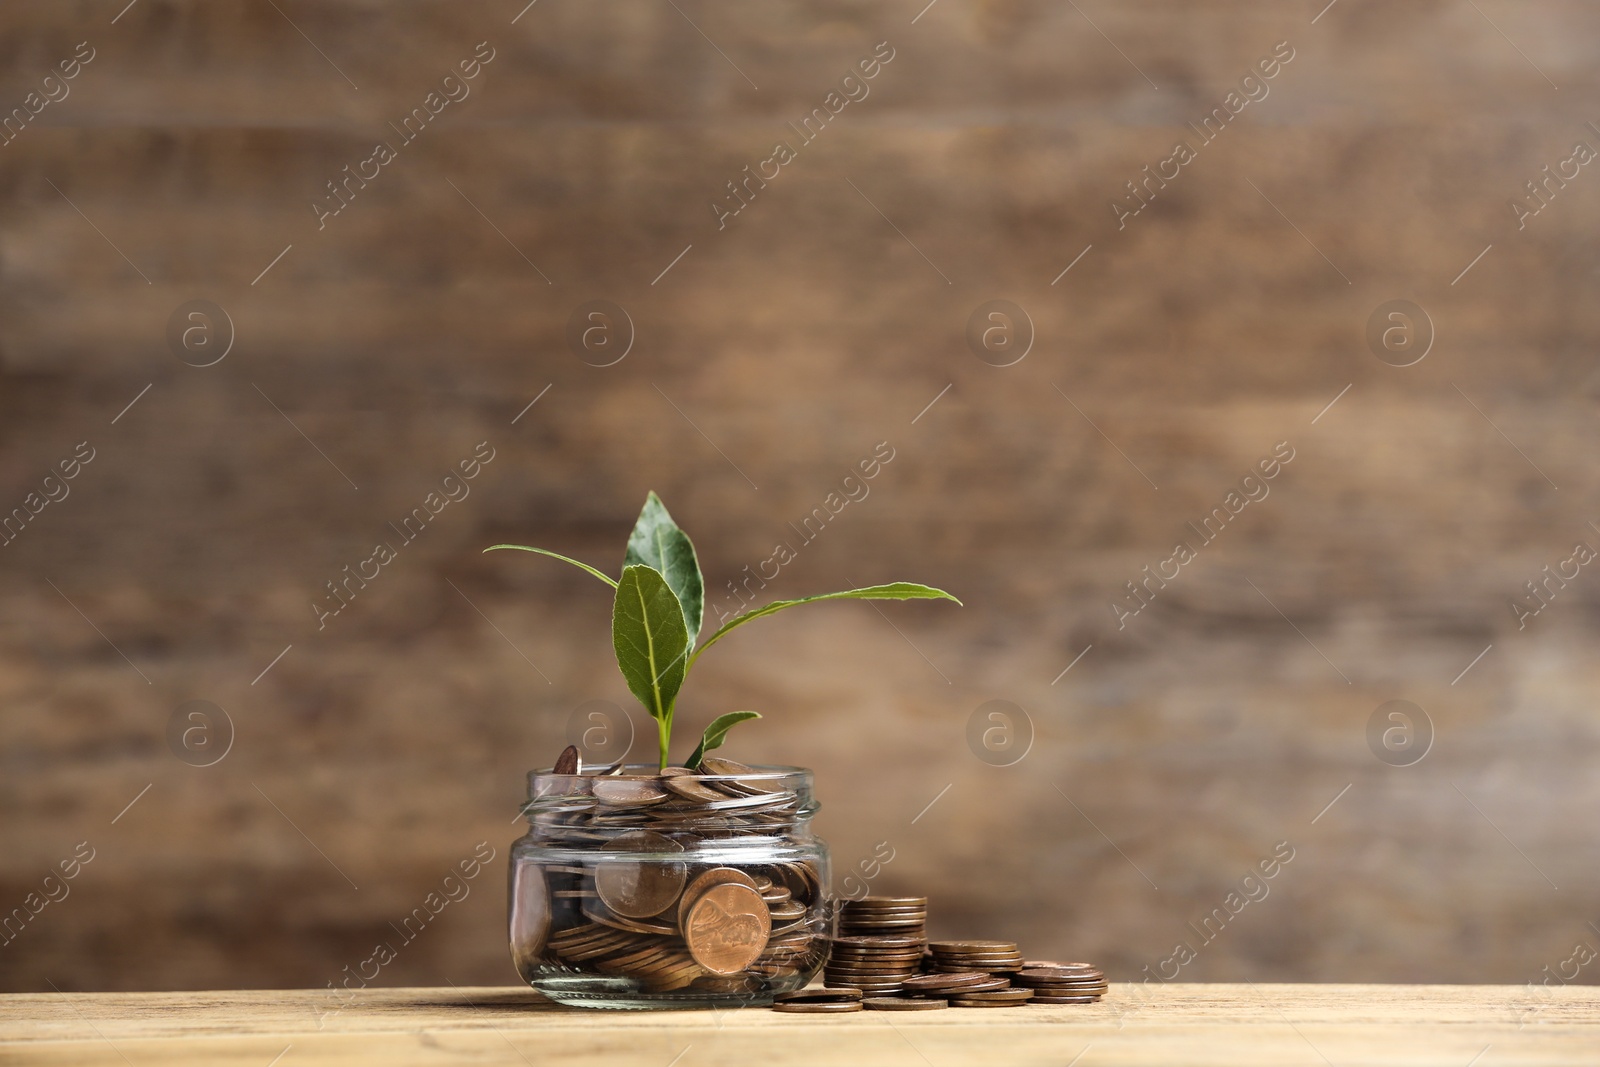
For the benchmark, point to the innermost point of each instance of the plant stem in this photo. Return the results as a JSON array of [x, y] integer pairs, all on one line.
[[665, 730]]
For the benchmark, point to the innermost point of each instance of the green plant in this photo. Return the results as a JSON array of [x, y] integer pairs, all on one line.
[[657, 612]]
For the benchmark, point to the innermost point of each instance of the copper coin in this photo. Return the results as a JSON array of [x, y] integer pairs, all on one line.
[[567, 762], [727, 928], [1001, 996], [820, 1007], [1006, 947], [1062, 1000], [787, 911], [1057, 964], [880, 942], [933, 982], [705, 880], [857, 918], [878, 985], [601, 915], [1060, 972], [627, 792], [530, 912], [686, 783], [907, 961], [887, 902], [1056, 983], [818, 993], [903, 1004], [988, 984], [640, 888]]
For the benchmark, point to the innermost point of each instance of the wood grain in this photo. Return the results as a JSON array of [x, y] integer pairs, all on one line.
[[1232, 1025]]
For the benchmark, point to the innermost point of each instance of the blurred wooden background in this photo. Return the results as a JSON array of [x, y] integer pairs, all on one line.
[[182, 165]]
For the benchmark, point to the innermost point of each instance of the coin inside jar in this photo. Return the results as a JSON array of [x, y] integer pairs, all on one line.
[[727, 928], [686, 783], [705, 880], [627, 792], [640, 888], [530, 912]]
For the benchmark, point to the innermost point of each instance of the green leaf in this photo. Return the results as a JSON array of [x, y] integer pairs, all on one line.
[[891, 591], [716, 733], [612, 582], [657, 542], [648, 632]]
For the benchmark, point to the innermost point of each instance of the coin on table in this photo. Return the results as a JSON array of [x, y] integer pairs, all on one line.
[[727, 927], [818, 1007], [1062, 972], [640, 888], [705, 880], [973, 946], [1014, 962], [903, 1004], [1063, 1000], [988, 985], [1000, 996], [889, 902], [934, 982], [869, 942]]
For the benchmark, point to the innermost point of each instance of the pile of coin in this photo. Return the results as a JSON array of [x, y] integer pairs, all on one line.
[[873, 964], [1062, 983], [617, 887], [991, 956], [880, 943], [1034, 982], [886, 916], [819, 1000], [880, 953]]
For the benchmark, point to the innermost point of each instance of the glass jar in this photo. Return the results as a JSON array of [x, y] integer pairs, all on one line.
[[641, 889]]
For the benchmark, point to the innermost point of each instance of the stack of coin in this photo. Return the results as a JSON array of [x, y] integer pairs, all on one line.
[[997, 998], [873, 963], [1022, 982], [994, 957], [818, 1000], [891, 916], [1062, 983]]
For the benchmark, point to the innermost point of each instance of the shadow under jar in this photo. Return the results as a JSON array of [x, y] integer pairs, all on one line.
[[670, 890]]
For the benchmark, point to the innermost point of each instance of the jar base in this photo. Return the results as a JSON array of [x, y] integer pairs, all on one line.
[[659, 1001]]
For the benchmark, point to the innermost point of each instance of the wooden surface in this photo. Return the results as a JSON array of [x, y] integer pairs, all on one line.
[[1237, 1025]]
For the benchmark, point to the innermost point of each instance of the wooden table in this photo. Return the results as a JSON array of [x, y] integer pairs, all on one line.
[[1226, 1025]]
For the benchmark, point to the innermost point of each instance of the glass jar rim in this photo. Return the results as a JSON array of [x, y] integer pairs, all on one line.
[[775, 773]]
